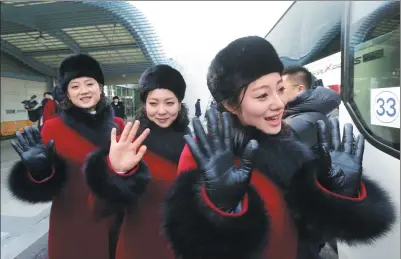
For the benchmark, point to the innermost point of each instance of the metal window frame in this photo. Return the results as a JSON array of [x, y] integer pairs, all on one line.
[[347, 86]]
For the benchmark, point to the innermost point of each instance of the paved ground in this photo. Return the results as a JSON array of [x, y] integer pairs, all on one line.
[[23, 226]]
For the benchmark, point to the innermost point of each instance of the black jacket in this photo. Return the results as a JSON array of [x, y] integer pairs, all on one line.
[[119, 110], [306, 109], [198, 109]]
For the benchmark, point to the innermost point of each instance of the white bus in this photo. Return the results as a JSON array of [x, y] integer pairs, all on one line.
[[355, 47]]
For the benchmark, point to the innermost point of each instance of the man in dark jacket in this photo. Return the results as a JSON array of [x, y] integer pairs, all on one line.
[[46, 111], [119, 108], [198, 111], [306, 105]]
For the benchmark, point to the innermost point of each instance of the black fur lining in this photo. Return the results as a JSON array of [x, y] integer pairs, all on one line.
[[326, 217], [165, 142], [195, 231], [94, 127], [273, 153], [24, 189], [108, 185]]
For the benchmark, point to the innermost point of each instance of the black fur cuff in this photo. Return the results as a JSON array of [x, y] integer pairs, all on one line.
[[25, 188], [351, 220], [197, 231], [112, 187]]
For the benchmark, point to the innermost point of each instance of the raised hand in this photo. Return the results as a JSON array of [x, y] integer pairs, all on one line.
[[225, 183], [34, 154], [125, 154], [345, 160]]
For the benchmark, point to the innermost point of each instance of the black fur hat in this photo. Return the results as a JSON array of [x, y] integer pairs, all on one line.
[[162, 76], [78, 65], [240, 63]]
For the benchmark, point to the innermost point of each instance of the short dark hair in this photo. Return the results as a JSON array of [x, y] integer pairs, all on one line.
[[116, 97], [301, 73], [49, 93]]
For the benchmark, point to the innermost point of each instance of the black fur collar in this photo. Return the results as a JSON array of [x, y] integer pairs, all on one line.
[[94, 127], [278, 156], [166, 142]]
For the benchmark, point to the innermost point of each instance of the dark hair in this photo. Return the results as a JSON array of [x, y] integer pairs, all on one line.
[[65, 104], [49, 93], [180, 123], [233, 101], [116, 97], [301, 73]]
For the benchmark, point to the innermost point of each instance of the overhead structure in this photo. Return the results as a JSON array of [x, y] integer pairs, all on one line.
[[41, 33]]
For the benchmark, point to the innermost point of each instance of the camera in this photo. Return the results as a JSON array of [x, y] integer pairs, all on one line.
[[31, 103]]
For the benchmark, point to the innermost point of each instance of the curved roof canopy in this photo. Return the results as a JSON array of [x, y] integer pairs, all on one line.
[[42, 33]]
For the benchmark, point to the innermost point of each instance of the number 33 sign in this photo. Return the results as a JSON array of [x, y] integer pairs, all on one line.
[[385, 107]]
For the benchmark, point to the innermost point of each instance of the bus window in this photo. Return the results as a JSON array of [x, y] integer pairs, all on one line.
[[308, 31], [373, 71]]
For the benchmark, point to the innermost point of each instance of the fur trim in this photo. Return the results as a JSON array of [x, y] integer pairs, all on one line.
[[325, 216], [24, 189], [172, 137], [111, 187], [94, 127], [78, 65], [162, 76], [196, 231], [240, 63], [273, 153], [58, 94]]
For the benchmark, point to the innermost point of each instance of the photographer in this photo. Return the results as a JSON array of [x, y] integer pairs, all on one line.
[[46, 111]]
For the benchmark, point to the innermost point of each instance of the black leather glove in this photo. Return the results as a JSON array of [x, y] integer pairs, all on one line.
[[225, 183], [341, 160], [34, 154]]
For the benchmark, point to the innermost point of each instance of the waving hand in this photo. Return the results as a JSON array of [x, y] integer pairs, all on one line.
[[126, 153], [343, 158], [225, 183], [34, 154]]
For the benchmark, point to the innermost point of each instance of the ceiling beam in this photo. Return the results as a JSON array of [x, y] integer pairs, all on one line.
[[29, 61], [83, 50], [29, 22]]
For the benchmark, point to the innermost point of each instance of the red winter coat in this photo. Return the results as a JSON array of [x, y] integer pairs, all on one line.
[[49, 111], [73, 231], [140, 233], [285, 213]]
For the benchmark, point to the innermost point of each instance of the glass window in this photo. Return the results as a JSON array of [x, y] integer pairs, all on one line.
[[309, 30], [374, 48], [129, 92], [123, 91]]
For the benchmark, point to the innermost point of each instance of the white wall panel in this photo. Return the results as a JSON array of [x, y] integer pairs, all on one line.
[[13, 92]]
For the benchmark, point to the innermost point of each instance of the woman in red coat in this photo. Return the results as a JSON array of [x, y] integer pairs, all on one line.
[[162, 89], [282, 200], [51, 162], [49, 110]]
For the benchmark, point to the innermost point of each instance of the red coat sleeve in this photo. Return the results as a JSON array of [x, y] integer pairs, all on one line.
[[49, 111], [190, 215], [187, 162], [120, 125]]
